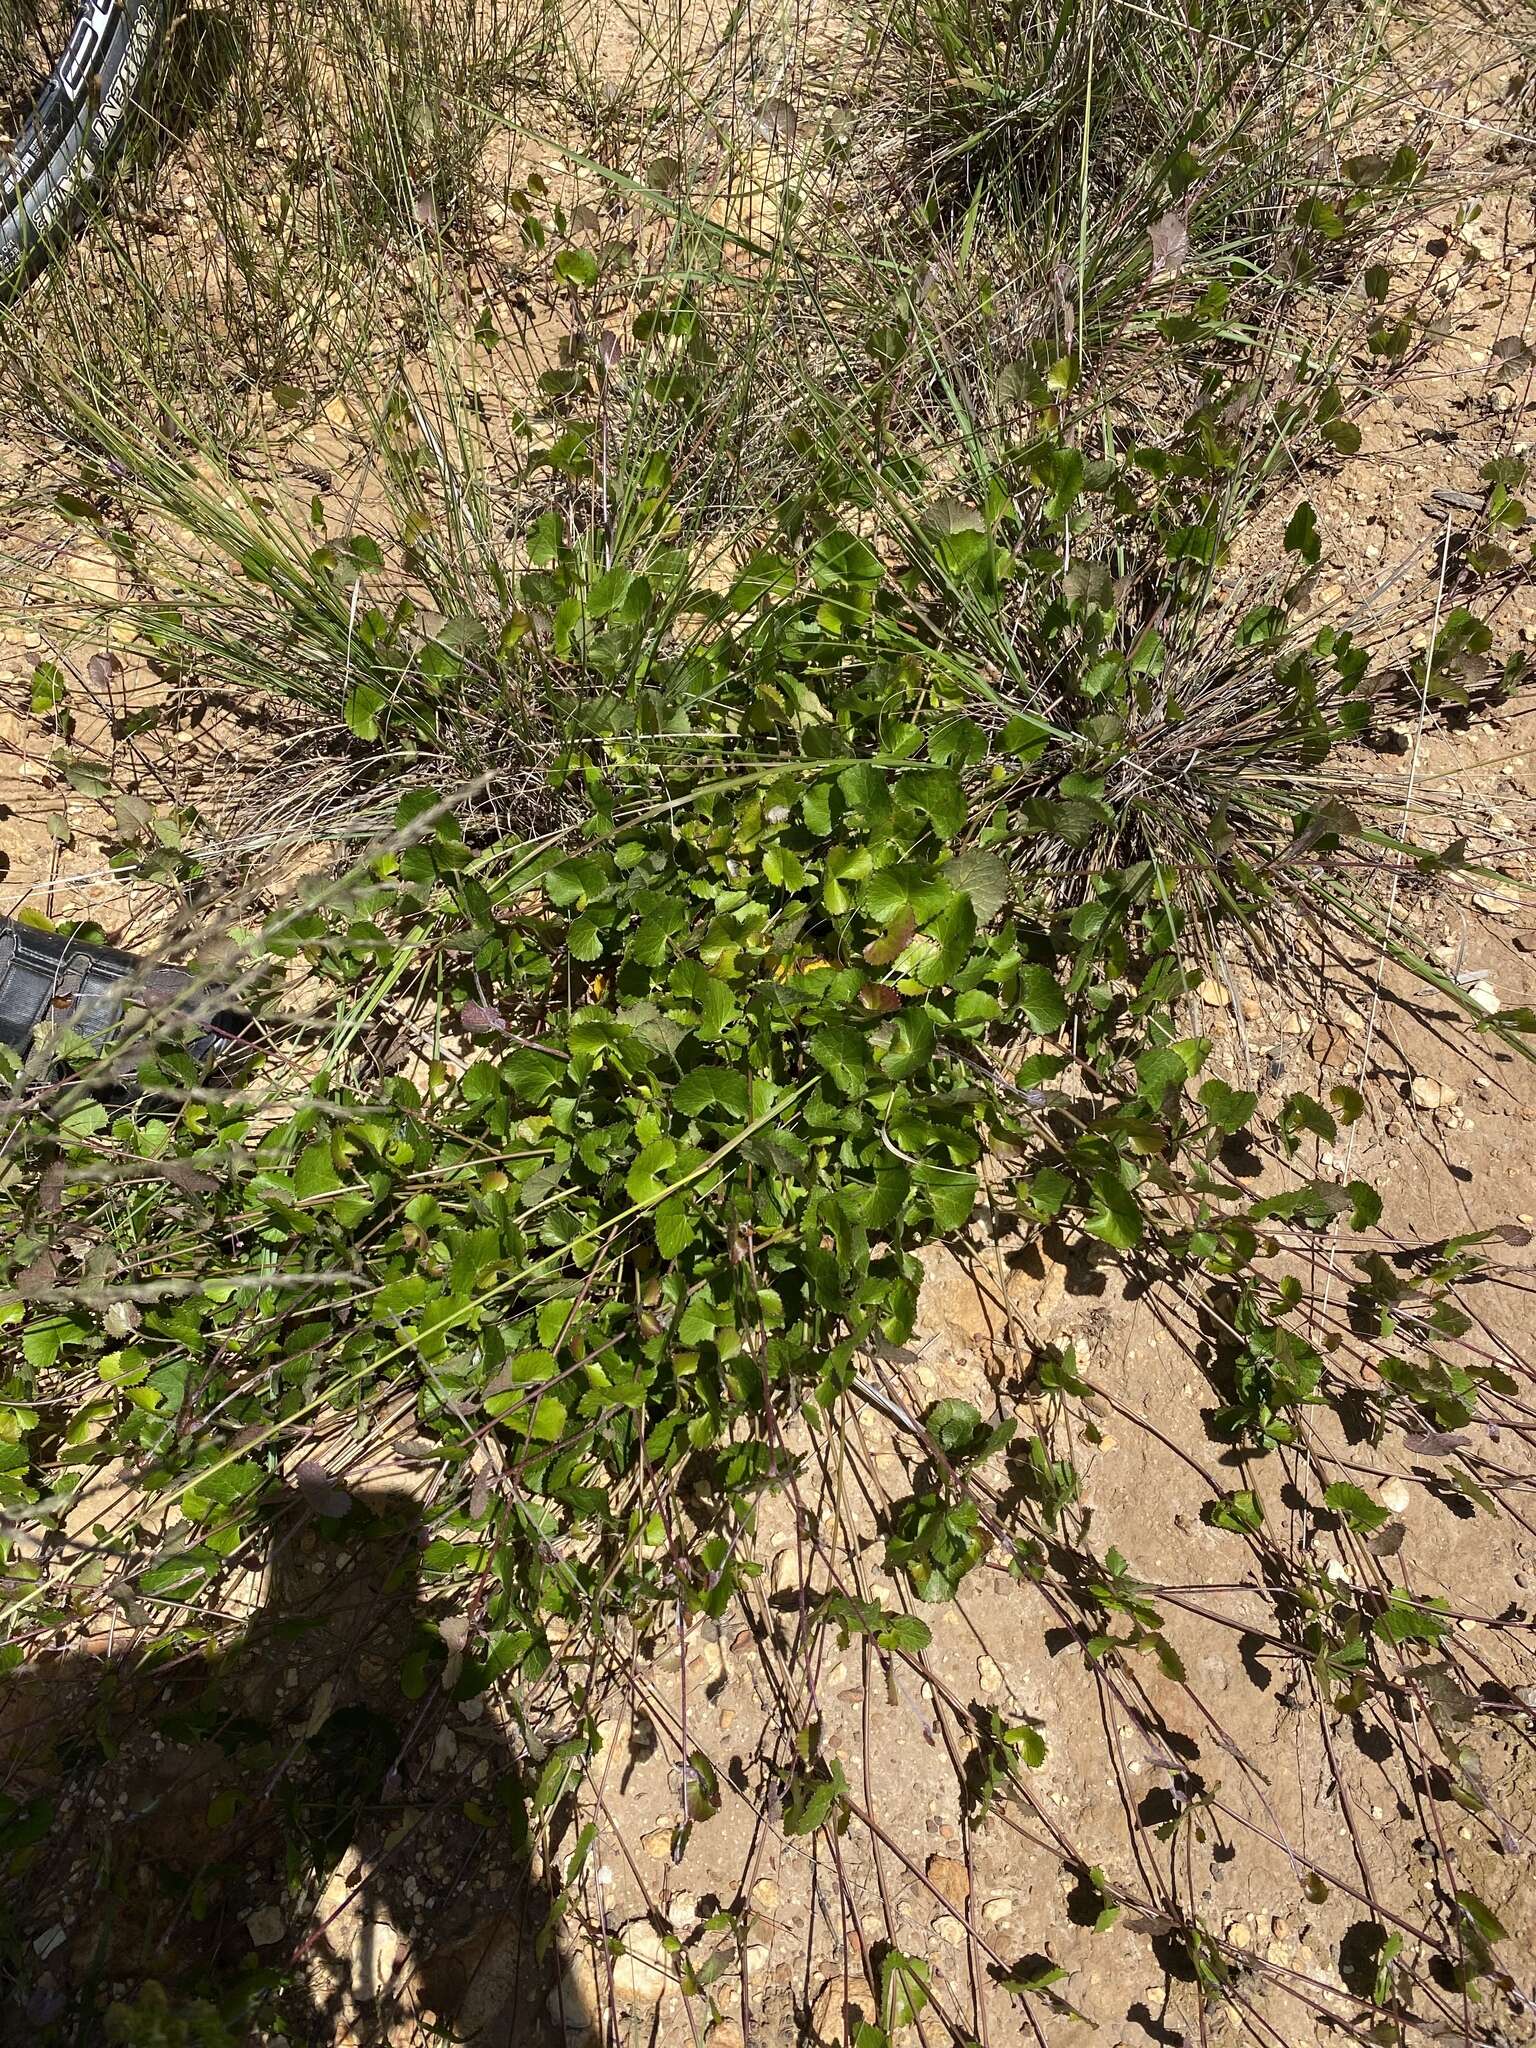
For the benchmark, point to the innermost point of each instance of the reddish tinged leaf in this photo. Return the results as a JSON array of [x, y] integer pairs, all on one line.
[[482, 1018], [880, 997]]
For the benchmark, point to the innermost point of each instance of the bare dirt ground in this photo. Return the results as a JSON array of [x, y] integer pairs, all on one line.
[[1288, 1830]]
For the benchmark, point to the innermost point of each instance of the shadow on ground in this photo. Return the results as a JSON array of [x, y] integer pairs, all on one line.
[[305, 1826]]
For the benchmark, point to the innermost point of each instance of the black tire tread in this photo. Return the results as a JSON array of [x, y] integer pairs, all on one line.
[[78, 120]]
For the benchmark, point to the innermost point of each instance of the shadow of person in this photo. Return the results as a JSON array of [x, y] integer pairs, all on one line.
[[303, 1827]]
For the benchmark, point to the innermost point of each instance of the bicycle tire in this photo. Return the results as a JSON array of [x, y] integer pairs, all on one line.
[[64, 143]]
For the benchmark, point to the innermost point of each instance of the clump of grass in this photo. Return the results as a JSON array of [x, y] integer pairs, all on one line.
[[270, 228], [1105, 172], [1027, 104], [418, 92]]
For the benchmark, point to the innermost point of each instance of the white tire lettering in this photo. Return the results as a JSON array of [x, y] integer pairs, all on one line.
[[64, 146]]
